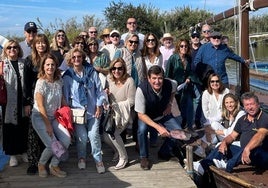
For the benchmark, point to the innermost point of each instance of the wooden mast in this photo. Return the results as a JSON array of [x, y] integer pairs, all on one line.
[[248, 5]]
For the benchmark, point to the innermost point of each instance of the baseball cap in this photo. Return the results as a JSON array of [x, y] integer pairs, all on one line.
[[195, 34], [215, 34], [30, 26], [114, 31]]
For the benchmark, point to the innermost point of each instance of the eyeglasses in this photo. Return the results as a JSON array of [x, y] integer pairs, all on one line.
[[31, 31], [133, 23], [150, 40], [214, 81], [117, 68], [92, 44], [77, 57], [81, 43], [206, 31], [59, 35], [133, 41], [115, 36], [183, 46], [14, 47], [84, 36], [95, 32], [216, 37]]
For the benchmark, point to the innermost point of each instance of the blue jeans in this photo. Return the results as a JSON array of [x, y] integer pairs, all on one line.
[[185, 103], [89, 131], [60, 133], [168, 122], [233, 157]]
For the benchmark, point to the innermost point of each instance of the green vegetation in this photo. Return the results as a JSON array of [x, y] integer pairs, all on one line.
[[177, 21]]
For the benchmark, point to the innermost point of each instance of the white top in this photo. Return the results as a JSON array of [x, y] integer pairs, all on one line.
[[212, 107], [157, 61], [52, 93]]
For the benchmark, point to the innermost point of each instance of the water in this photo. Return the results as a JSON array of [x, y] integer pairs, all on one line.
[[261, 57]]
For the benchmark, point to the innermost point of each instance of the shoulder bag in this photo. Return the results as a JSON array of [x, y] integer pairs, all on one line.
[[79, 115], [3, 89]]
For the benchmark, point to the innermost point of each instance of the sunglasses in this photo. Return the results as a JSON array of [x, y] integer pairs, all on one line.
[[117, 68], [183, 46], [133, 41], [77, 57], [214, 81], [193, 37], [105, 36], [84, 36], [60, 35], [92, 44], [206, 31], [133, 23], [150, 40], [216, 37], [14, 47], [117, 36], [31, 31], [81, 43], [93, 32]]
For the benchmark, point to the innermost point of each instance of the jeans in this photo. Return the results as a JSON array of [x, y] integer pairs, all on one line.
[[60, 133], [198, 112], [168, 122], [233, 157], [185, 103], [89, 131]]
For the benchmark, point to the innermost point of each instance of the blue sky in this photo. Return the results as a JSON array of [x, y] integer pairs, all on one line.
[[15, 13]]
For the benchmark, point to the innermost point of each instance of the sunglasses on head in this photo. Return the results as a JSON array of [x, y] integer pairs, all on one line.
[[117, 68], [216, 37], [14, 47], [133, 41]]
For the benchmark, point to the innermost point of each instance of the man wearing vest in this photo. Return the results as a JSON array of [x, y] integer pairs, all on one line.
[[153, 103]]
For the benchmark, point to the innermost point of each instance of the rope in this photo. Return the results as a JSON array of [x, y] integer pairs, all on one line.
[[251, 5]]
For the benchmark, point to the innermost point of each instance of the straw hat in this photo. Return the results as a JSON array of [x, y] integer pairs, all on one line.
[[106, 31], [166, 36]]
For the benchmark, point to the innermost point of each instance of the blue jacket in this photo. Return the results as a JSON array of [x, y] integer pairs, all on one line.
[[216, 58]]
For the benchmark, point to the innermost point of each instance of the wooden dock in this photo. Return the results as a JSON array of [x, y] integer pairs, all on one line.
[[162, 174]]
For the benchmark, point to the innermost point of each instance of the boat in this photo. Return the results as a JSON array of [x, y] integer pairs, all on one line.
[[243, 175]]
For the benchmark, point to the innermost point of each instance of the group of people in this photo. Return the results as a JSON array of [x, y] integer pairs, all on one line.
[[136, 76]]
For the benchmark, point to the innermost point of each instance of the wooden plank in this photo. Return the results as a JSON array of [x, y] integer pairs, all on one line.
[[162, 174]]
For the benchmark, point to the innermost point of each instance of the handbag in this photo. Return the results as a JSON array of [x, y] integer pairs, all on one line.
[[79, 115], [59, 150], [3, 89], [109, 123]]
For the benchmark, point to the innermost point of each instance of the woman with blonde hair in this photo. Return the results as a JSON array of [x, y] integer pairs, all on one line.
[[60, 45], [15, 123], [121, 93]]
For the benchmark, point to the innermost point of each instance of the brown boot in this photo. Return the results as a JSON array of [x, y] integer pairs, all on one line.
[[56, 171], [42, 170]]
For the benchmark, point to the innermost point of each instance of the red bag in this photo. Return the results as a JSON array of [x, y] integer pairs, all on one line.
[[3, 89]]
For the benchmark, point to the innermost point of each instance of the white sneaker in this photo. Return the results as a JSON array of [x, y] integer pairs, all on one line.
[[24, 157], [100, 167], [219, 163], [82, 164], [198, 167], [13, 161]]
